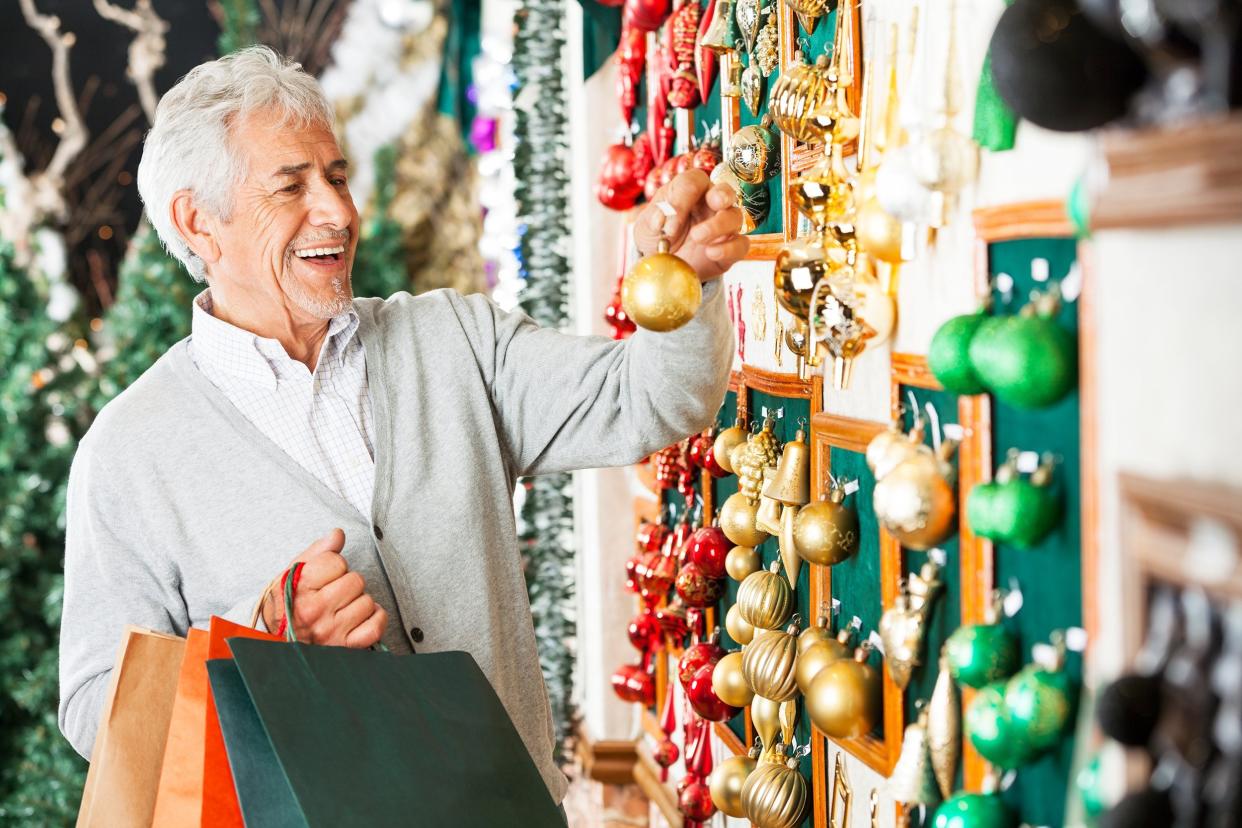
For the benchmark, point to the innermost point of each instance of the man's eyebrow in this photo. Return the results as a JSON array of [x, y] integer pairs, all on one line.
[[298, 169]]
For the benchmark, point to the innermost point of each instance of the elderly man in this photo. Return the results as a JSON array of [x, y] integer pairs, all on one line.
[[378, 441]]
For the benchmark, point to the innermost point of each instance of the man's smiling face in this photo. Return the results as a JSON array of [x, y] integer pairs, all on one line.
[[294, 226]]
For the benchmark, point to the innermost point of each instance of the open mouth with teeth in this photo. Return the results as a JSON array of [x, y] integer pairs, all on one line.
[[322, 256]]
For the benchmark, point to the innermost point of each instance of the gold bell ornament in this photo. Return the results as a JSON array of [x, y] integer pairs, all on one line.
[[821, 654], [765, 599], [944, 728], [737, 521], [768, 664], [729, 684], [739, 629], [761, 453], [720, 38], [727, 440], [754, 153], [791, 482], [726, 781], [903, 626], [915, 501], [768, 518], [661, 292], [844, 699], [741, 561], [776, 794], [913, 781], [827, 532]]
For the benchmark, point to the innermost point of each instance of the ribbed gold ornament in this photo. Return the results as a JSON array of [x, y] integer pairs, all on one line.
[[768, 664], [765, 599], [800, 90], [776, 795]]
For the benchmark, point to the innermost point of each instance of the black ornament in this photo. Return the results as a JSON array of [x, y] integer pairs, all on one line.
[[1129, 708], [1057, 70]]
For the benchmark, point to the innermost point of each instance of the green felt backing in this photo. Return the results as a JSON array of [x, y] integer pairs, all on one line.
[[1049, 575]]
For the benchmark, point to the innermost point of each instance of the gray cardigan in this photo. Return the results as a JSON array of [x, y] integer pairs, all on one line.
[[180, 509]]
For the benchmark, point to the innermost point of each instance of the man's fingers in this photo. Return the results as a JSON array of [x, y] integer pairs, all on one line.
[[721, 197], [353, 614], [684, 192], [725, 222], [369, 631], [340, 592], [730, 251]]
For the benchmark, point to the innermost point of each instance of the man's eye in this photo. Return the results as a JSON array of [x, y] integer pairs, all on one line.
[[338, 182], [292, 188]]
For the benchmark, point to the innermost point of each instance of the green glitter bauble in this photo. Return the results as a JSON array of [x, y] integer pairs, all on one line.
[[974, 810], [988, 727], [948, 357], [1022, 514], [1039, 703], [980, 654], [1026, 361]]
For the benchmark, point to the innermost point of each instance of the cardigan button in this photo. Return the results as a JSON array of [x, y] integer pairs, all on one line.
[[416, 635], [379, 533]]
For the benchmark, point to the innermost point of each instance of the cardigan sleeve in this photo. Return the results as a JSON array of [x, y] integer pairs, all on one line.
[[568, 402], [111, 580]]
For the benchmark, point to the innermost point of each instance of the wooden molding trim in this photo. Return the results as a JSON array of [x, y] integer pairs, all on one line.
[[778, 384], [912, 370], [1022, 220], [607, 760], [844, 433], [1186, 174], [647, 776], [765, 247], [729, 739]]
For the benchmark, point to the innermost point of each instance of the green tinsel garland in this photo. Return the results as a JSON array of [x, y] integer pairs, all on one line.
[[542, 192]]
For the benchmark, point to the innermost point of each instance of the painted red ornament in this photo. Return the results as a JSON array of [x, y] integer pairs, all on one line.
[[704, 699], [661, 576], [705, 59], [698, 655], [706, 158], [647, 15], [650, 536], [683, 30], [695, 621], [672, 620], [616, 317], [696, 801], [630, 60], [644, 631], [666, 754], [697, 588], [621, 179], [708, 548], [633, 684]]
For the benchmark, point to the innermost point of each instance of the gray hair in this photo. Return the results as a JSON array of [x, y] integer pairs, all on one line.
[[189, 146]]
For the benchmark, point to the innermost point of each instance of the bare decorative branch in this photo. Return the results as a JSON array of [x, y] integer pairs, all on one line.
[[146, 52]]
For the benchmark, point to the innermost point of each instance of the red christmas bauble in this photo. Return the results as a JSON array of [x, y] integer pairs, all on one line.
[[696, 587], [709, 463], [696, 802], [695, 453], [666, 753], [620, 178], [644, 631], [696, 656], [704, 699], [633, 684], [708, 548], [647, 15], [661, 576], [650, 536], [673, 621], [705, 158], [631, 566], [685, 782]]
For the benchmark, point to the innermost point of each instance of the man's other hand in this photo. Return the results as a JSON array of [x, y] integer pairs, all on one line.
[[704, 228], [331, 604]]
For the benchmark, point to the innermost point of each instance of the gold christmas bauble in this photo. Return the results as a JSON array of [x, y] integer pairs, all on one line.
[[661, 292], [826, 532], [815, 658], [765, 599], [776, 795], [726, 781], [843, 700], [768, 664], [915, 502], [726, 441], [892, 447], [739, 630], [815, 634], [737, 521], [878, 233], [729, 684], [742, 561]]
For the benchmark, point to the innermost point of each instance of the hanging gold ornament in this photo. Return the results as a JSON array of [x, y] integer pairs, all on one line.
[[801, 90], [791, 484], [765, 599], [726, 781], [873, 302], [827, 533], [891, 447], [785, 544], [915, 501], [737, 521], [768, 664], [903, 626], [824, 194], [765, 717], [758, 317], [776, 795], [768, 518], [816, 633], [944, 728], [761, 453], [731, 75], [661, 292], [834, 115], [729, 684], [755, 152], [767, 47], [748, 16], [809, 12], [752, 87], [879, 233], [912, 781], [819, 655], [738, 627], [844, 699], [726, 441], [841, 326], [741, 561], [721, 35], [789, 720]]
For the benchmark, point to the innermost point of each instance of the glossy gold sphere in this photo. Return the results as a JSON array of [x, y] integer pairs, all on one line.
[[726, 441], [739, 629], [742, 561], [814, 659], [916, 504], [726, 781], [878, 233], [737, 521], [728, 682], [826, 533], [843, 700], [661, 292]]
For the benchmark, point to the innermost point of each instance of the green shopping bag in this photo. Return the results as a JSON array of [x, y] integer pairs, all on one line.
[[377, 739]]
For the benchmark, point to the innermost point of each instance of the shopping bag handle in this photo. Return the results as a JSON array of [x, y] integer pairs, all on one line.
[[291, 579]]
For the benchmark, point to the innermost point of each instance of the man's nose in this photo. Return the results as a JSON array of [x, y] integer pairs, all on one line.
[[330, 206]]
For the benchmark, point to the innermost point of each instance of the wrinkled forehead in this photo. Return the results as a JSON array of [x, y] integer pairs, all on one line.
[[269, 145]]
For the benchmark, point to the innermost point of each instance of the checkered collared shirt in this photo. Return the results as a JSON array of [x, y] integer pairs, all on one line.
[[322, 420]]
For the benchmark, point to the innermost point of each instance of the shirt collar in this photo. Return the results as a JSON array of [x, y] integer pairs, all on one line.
[[258, 359]]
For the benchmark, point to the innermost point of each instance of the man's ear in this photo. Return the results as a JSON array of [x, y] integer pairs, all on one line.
[[195, 225]]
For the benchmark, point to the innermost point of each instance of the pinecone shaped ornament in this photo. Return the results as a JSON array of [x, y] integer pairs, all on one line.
[[762, 452]]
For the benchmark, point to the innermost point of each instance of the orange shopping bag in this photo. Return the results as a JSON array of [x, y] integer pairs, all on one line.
[[220, 806], [179, 801]]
